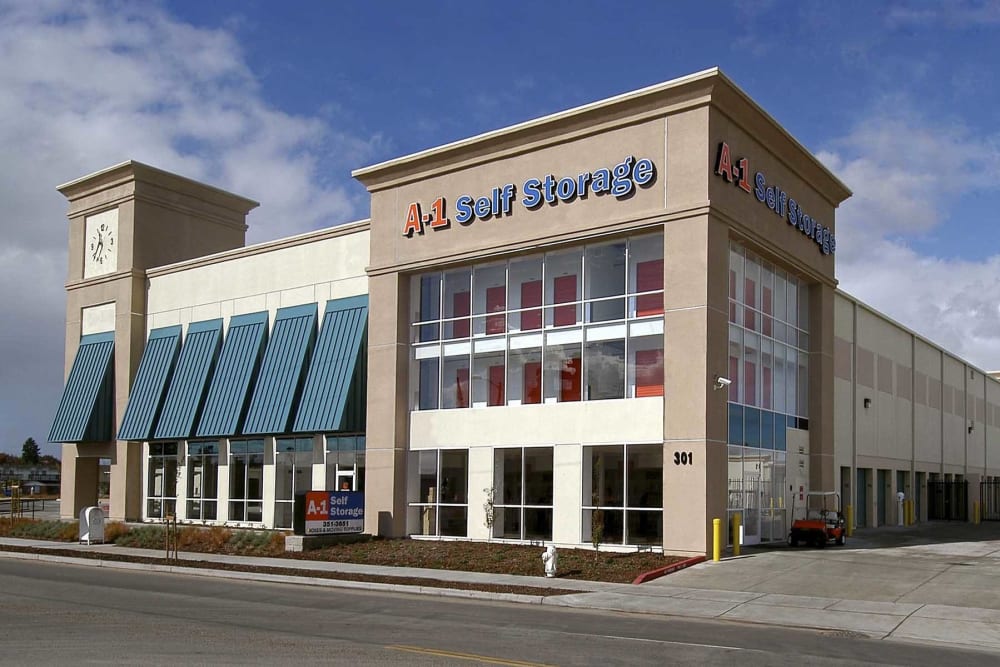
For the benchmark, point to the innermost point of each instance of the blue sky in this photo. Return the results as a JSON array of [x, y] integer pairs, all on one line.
[[279, 101]]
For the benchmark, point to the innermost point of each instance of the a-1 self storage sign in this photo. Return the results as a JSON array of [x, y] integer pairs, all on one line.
[[330, 512]]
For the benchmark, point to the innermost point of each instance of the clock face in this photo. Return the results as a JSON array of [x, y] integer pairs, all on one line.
[[101, 244]]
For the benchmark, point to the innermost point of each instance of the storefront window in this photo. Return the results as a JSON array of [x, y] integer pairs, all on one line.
[[523, 493], [293, 461], [441, 487], [161, 480], [202, 480], [622, 492], [246, 480]]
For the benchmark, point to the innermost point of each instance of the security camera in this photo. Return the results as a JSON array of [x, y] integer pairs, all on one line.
[[721, 382]]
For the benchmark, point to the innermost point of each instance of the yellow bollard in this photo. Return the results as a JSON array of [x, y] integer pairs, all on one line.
[[716, 539], [736, 533], [911, 507], [850, 520], [975, 511]]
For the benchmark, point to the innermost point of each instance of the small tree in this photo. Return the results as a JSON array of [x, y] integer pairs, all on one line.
[[597, 515], [29, 452], [596, 526], [488, 508]]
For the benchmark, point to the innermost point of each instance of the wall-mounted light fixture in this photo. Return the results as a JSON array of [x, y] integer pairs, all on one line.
[[868, 403], [972, 427], [721, 382]]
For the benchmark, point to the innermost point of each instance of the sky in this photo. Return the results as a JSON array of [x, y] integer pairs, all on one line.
[[280, 101]]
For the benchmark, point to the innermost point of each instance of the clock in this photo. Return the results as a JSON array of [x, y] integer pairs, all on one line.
[[101, 244]]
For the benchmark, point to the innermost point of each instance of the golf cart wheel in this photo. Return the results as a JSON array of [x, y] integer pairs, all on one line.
[[820, 541], [841, 540], [793, 540]]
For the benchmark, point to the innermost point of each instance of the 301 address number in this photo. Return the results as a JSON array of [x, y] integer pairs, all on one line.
[[683, 458]]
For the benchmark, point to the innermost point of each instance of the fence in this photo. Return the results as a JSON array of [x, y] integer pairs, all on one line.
[[948, 501], [989, 495]]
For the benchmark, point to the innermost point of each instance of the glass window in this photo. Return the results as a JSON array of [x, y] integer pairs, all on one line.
[[457, 304], [523, 493], [646, 275], [605, 272], [490, 299], [246, 480], [202, 480], [623, 493], [345, 463], [526, 294], [429, 306], [563, 373], [489, 379], [562, 286], [293, 461], [491, 320], [605, 364], [161, 480], [442, 492], [645, 370]]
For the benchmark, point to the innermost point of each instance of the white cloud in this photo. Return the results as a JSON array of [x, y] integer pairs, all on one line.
[[906, 171], [87, 85]]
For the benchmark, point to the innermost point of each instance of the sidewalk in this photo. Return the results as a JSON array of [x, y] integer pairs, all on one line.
[[913, 584]]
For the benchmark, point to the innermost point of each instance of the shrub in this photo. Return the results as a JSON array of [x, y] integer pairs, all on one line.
[[143, 537], [31, 529], [114, 530]]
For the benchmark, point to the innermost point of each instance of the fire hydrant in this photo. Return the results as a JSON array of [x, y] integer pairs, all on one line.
[[549, 558]]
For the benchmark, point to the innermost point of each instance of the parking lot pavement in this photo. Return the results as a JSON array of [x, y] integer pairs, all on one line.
[[937, 563]]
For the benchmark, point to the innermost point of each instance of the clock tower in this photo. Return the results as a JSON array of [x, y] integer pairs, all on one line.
[[123, 221]]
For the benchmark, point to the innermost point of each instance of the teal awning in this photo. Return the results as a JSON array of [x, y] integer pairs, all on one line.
[[146, 397], [280, 381], [336, 375], [226, 403], [86, 411], [186, 393]]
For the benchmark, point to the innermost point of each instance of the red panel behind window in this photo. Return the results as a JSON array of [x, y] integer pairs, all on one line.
[[532, 391], [749, 383], [564, 290], [649, 277], [496, 302], [750, 299], [460, 308], [531, 295], [648, 373], [496, 393], [570, 380], [462, 388]]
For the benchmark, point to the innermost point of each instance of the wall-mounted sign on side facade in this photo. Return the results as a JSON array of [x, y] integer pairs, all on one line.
[[619, 181], [776, 199]]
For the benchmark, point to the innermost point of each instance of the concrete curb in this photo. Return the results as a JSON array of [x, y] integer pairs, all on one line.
[[668, 569], [279, 578]]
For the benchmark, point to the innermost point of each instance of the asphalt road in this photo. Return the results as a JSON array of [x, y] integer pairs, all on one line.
[[63, 614]]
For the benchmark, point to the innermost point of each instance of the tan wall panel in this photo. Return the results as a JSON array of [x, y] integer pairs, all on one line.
[[578, 422], [521, 226]]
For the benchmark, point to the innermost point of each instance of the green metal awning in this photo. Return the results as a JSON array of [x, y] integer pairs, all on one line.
[[86, 410], [186, 393], [238, 364], [334, 394], [146, 397], [280, 381]]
